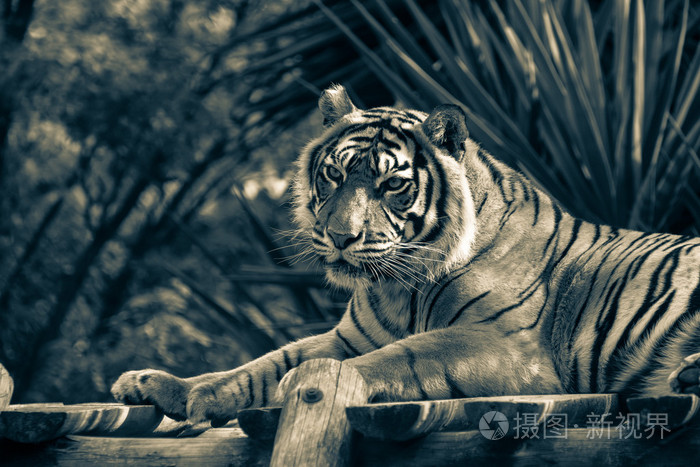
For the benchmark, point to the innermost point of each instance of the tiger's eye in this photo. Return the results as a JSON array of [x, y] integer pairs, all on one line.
[[334, 174], [394, 183]]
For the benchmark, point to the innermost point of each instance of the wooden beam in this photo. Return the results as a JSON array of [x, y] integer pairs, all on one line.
[[34, 423], [408, 420]]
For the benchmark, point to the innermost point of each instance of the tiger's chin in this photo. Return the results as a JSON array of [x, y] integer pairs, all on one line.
[[348, 276]]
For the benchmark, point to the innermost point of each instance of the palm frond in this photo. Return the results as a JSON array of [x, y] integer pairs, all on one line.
[[579, 95]]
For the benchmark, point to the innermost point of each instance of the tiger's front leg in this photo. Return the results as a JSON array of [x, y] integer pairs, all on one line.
[[455, 363], [219, 396]]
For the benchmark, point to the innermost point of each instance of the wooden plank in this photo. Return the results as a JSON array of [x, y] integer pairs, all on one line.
[[222, 447], [6, 388], [313, 427], [33, 423], [408, 420]]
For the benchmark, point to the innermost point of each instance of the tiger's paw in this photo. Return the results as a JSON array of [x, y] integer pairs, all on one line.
[[217, 401], [165, 391], [686, 378]]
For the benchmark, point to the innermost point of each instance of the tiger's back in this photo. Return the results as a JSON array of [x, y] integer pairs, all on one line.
[[632, 313], [616, 309]]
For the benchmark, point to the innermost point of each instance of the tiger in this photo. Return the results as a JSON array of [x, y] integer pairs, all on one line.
[[466, 280]]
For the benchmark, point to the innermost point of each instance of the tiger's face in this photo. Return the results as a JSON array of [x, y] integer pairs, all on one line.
[[367, 197], [372, 194]]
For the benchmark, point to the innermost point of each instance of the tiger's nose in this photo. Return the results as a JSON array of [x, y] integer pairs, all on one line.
[[343, 240]]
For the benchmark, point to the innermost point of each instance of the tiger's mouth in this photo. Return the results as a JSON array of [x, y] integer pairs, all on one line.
[[341, 267]]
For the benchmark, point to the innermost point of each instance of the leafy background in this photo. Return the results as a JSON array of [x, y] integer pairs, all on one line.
[[146, 149]]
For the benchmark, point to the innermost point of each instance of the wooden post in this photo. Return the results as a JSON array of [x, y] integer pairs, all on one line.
[[313, 427]]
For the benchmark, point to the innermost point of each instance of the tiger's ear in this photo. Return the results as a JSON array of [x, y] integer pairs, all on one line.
[[446, 128], [334, 103]]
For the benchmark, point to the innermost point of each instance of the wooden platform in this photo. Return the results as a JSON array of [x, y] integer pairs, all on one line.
[[324, 422]]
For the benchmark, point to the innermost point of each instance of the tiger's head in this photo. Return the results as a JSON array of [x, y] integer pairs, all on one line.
[[382, 193]]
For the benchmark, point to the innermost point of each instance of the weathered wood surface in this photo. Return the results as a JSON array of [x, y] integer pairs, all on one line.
[[6, 388], [313, 427], [408, 420], [681, 448], [33, 423], [231, 447], [216, 447]]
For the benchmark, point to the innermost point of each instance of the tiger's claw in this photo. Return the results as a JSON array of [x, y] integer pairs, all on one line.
[[686, 378]]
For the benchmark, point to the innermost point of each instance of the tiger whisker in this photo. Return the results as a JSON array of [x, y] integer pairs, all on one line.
[[418, 246], [421, 259], [401, 280], [289, 234], [405, 269], [305, 254], [289, 245], [425, 264], [405, 258], [375, 271]]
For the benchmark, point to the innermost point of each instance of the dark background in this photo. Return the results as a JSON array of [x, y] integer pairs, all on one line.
[[146, 153]]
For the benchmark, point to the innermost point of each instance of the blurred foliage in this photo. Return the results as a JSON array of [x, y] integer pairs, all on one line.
[[131, 199], [598, 101], [146, 148]]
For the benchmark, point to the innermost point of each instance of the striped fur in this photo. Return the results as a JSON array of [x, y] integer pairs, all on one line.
[[467, 279]]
